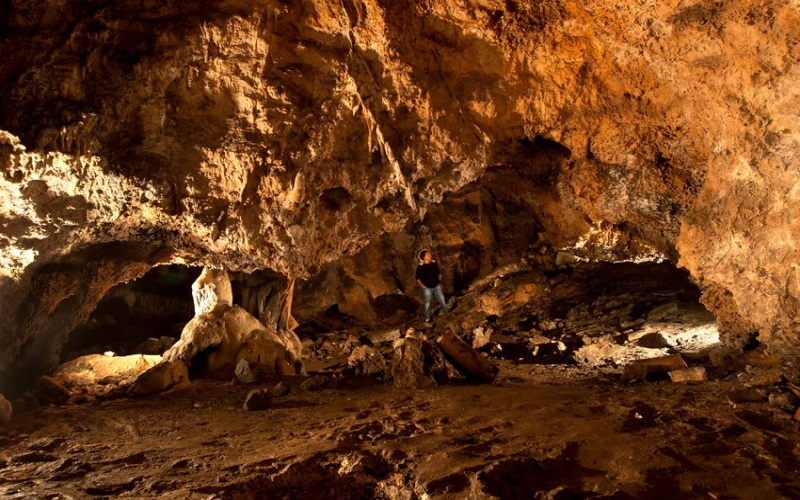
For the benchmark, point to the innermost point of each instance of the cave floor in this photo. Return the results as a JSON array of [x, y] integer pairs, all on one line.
[[539, 432]]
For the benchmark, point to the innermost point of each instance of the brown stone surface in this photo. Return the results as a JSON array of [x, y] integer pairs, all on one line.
[[643, 368], [248, 135]]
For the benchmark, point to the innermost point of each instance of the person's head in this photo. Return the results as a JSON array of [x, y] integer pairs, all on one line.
[[425, 256]]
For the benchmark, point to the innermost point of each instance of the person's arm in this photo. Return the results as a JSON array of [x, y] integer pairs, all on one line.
[[417, 276], [420, 284]]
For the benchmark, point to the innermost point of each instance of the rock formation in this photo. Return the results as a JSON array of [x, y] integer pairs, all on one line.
[[326, 141]]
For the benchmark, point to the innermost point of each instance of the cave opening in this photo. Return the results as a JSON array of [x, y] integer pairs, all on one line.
[[141, 316]]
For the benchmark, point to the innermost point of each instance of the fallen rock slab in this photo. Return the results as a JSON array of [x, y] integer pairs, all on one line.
[[643, 368], [770, 377], [693, 374], [467, 359]]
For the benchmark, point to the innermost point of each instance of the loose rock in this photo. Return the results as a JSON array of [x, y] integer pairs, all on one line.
[[243, 372], [410, 368], [5, 409], [469, 360], [693, 374], [366, 361], [281, 389], [258, 399], [644, 368], [314, 383]]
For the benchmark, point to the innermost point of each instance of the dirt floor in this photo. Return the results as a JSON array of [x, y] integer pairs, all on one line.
[[538, 432]]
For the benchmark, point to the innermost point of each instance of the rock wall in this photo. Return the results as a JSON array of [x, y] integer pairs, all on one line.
[[284, 135]]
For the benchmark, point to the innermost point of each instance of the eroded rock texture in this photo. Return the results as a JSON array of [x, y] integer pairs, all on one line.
[[285, 135]]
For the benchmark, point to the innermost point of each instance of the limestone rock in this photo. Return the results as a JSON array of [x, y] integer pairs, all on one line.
[[91, 369], [258, 399], [165, 376], [653, 340], [642, 369], [366, 361], [314, 383], [467, 359], [234, 336], [212, 289], [5, 409], [417, 363], [243, 372], [281, 389], [693, 374]]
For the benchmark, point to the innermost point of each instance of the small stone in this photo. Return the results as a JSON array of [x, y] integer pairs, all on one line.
[[258, 399], [243, 372], [693, 374], [281, 389], [797, 415], [314, 383]]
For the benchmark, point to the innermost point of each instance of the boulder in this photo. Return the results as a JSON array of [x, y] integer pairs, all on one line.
[[417, 363], [91, 369], [167, 375], [5, 409], [366, 361]]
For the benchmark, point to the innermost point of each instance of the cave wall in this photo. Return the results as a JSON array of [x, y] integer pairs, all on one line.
[[284, 135]]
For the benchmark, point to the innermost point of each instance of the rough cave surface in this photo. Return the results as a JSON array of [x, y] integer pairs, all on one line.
[[601, 182]]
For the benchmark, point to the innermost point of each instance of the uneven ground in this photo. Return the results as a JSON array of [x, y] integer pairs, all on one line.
[[537, 429]]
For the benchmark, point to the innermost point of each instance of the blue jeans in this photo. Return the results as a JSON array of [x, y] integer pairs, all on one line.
[[436, 291]]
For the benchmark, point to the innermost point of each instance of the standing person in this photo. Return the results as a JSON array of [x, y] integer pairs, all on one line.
[[429, 278]]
